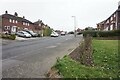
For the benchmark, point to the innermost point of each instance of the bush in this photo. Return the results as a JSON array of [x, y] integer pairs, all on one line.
[[108, 33], [91, 33], [39, 35], [102, 33], [11, 36]]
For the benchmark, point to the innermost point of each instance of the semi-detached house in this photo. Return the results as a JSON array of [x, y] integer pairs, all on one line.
[[112, 22], [13, 23]]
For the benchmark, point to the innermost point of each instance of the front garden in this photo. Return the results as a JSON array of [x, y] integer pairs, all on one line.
[[8, 36]]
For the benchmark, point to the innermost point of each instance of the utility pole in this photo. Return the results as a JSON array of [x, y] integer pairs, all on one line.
[[74, 25]]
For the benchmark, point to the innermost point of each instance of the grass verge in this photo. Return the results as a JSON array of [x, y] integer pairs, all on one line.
[[105, 57]]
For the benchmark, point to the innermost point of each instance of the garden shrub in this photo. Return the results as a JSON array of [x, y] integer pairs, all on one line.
[[6, 36], [91, 33], [102, 33], [39, 35], [12, 36]]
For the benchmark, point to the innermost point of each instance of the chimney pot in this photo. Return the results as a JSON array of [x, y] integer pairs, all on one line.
[[16, 14], [119, 5], [6, 12], [23, 17]]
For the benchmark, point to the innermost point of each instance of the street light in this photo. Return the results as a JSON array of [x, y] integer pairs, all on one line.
[[74, 25]]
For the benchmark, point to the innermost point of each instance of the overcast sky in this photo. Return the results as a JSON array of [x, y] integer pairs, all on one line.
[[57, 13]]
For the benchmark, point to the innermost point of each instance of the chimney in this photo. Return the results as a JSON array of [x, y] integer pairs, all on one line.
[[38, 20], [6, 12], [119, 5], [23, 17], [16, 14], [41, 21]]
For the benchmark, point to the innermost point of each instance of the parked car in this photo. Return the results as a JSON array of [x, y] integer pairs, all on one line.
[[71, 32], [23, 34], [33, 34], [54, 34], [79, 33], [63, 33]]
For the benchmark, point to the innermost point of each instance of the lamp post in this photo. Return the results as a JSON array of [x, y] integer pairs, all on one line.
[[74, 25]]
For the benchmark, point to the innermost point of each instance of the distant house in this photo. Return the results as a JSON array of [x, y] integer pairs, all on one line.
[[78, 30], [0, 24], [39, 25], [112, 22]]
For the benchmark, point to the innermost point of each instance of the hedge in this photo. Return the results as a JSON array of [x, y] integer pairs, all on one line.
[[102, 33], [91, 33], [6, 36]]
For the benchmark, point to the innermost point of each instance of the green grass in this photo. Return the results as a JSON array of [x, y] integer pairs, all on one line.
[[105, 57]]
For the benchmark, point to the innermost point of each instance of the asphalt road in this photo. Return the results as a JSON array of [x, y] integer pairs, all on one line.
[[33, 58]]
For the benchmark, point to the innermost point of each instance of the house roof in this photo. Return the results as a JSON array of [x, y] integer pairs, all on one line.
[[39, 22], [109, 17], [9, 16], [102, 22]]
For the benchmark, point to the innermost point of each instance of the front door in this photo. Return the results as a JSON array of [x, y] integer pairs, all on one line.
[[13, 29]]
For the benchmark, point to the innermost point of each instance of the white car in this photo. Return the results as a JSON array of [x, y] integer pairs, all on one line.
[[54, 34], [31, 33], [63, 33], [23, 34]]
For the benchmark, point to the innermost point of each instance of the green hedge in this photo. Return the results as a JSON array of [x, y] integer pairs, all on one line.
[[102, 33], [91, 33], [11, 36], [39, 35]]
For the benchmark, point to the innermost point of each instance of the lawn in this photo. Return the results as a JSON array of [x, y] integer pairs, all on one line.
[[105, 55]]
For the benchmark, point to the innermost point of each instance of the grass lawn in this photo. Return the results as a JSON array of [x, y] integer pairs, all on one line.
[[105, 57]]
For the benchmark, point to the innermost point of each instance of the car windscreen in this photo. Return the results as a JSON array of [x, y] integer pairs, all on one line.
[[31, 32]]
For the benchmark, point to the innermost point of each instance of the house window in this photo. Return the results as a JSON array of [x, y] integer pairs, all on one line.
[[107, 21], [39, 24], [8, 27], [111, 18], [10, 20], [18, 28], [13, 21], [16, 21], [114, 15], [111, 27], [28, 24], [23, 23]]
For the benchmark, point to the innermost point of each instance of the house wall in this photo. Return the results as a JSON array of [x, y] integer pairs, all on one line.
[[0, 24], [118, 19], [111, 23], [19, 25]]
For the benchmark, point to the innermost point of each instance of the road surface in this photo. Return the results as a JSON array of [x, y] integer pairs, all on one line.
[[33, 58]]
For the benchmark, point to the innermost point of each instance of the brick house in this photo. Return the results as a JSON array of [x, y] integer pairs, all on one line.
[[39, 25], [0, 24], [12, 23], [111, 23]]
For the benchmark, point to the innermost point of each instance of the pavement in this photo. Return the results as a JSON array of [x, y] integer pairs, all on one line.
[[21, 38], [33, 58]]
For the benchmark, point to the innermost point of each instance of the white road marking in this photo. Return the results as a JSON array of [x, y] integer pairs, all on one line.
[[58, 43], [51, 46], [66, 39]]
